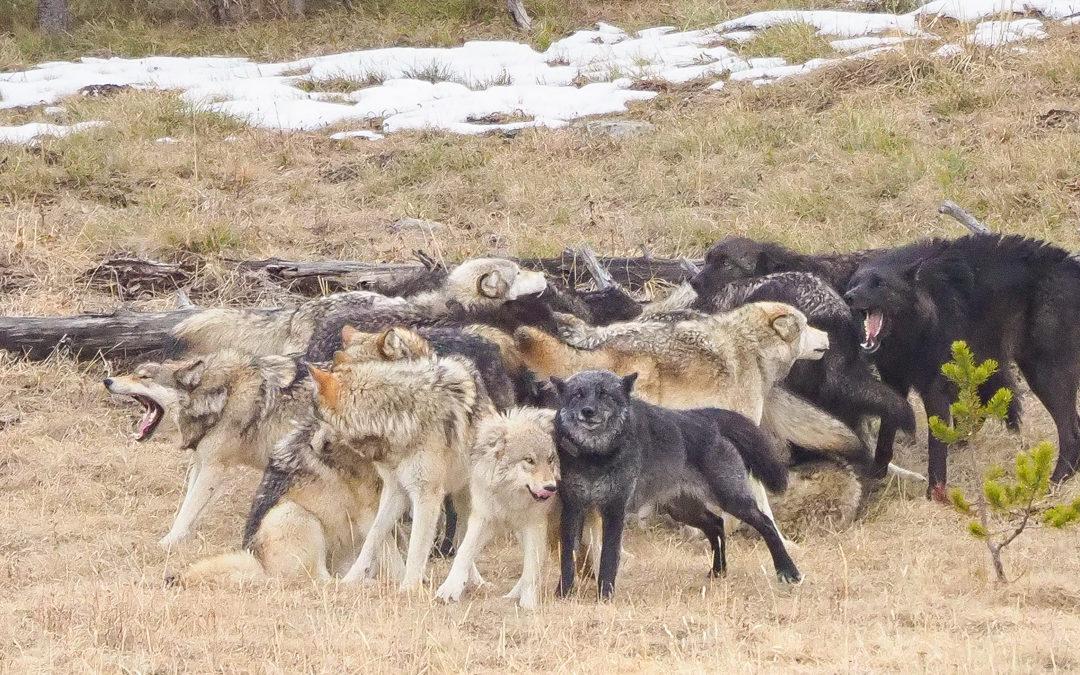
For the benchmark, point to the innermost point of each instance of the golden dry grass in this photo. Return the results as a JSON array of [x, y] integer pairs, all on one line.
[[846, 158]]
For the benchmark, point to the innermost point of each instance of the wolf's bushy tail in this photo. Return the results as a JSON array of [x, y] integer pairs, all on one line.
[[260, 332], [797, 421], [755, 449]]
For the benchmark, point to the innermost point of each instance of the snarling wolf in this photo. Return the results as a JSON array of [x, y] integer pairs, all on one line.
[[481, 290], [316, 501], [618, 454], [415, 420], [739, 258], [231, 408], [1012, 299]]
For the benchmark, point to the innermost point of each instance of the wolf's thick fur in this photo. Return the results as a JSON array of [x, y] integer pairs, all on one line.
[[1012, 299], [513, 482], [414, 419], [475, 291], [739, 258], [314, 504], [231, 408], [618, 454], [729, 361]]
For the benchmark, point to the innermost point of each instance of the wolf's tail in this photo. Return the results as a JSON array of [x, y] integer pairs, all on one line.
[[257, 332], [236, 567], [797, 421], [755, 449]]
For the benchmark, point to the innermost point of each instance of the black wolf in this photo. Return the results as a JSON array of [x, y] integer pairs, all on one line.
[[1012, 299], [617, 454]]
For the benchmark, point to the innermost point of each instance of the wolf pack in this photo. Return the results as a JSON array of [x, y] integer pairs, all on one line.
[[764, 393]]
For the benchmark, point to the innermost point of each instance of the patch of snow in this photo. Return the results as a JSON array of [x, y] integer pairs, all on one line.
[[767, 62], [997, 33], [1072, 21], [947, 51], [27, 134], [166, 140], [739, 36], [969, 11], [718, 85], [861, 43], [828, 22], [55, 110], [359, 133]]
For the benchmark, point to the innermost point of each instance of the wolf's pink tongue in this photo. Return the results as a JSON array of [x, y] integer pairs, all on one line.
[[872, 327], [147, 421], [543, 494]]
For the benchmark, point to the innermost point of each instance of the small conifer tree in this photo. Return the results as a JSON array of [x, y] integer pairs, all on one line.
[[1009, 503]]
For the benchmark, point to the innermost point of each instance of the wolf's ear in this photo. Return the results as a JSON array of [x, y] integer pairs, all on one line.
[[786, 326], [559, 384], [341, 357], [348, 334], [493, 285], [393, 345], [327, 385], [278, 371], [628, 383], [189, 377]]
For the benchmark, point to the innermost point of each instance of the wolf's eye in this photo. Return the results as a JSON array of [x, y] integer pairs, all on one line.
[[530, 461]]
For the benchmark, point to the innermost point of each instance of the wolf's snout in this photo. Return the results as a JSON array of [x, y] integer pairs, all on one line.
[[587, 413], [108, 382], [544, 493], [551, 487]]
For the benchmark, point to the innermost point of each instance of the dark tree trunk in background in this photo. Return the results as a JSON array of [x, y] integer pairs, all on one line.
[[52, 16]]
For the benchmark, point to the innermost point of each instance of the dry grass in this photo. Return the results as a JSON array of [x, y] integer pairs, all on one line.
[[846, 158]]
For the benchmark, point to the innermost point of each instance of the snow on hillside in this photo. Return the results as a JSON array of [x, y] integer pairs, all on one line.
[[475, 87]]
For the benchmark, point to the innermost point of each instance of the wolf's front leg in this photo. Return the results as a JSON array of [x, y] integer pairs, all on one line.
[[477, 534], [392, 504], [425, 517], [204, 483], [614, 518], [573, 518], [534, 545]]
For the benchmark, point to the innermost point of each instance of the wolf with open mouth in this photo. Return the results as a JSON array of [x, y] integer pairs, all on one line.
[[230, 407], [1012, 299]]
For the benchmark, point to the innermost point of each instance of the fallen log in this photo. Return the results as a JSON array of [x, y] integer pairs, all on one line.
[[125, 333]]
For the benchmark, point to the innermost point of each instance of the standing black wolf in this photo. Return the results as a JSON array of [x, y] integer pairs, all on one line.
[[1012, 299], [617, 454]]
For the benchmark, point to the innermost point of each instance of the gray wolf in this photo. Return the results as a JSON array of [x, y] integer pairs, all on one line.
[[415, 420], [231, 408], [314, 504], [729, 361], [477, 290], [617, 454], [1012, 299], [842, 382], [514, 475]]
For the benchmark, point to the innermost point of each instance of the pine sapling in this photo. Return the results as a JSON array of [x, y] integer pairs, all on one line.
[[1009, 503]]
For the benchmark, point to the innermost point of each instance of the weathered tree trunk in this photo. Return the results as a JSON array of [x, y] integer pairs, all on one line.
[[122, 333], [53, 16], [518, 14]]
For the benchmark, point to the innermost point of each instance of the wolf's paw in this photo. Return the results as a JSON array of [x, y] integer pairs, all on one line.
[[562, 591], [450, 591], [358, 575], [790, 576], [529, 600], [172, 539], [939, 493]]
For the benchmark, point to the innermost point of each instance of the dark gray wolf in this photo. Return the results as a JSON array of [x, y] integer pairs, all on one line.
[[1012, 299], [618, 454]]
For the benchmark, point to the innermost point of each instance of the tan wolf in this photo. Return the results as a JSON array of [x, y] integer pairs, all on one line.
[[316, 501], [230, 407], [415, 420], [472, 288]]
